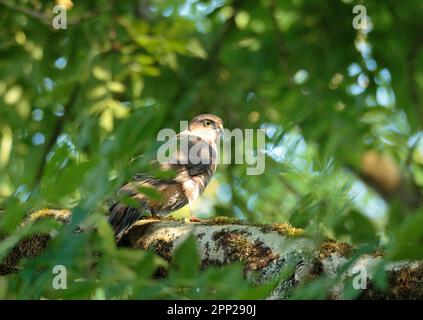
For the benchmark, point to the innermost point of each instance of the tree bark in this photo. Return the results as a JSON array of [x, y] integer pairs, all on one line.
[[267, 251]]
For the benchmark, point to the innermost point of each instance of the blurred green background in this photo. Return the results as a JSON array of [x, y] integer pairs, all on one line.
[[343, 109]]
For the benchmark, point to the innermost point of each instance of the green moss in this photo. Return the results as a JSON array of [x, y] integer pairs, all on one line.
[[163, 248], [330, 247], [28, 247], [407, 283], [222, 220], [403, 284], [59, 214], [285, 229], [34, 245], [238, 247]]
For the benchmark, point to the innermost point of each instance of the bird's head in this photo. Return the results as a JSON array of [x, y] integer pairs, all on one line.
[[207, 126]]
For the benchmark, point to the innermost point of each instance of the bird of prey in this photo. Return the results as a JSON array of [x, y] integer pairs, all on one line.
[[193, 162]]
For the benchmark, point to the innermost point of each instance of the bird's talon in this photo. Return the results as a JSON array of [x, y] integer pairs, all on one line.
[[195, 219]]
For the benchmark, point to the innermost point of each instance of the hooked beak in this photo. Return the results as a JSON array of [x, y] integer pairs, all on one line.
[[221, 129]]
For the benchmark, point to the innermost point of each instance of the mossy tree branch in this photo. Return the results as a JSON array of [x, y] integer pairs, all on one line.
[[267, 251]]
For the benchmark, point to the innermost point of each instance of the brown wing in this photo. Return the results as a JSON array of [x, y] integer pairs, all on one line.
[[171, 191], [123, 216]]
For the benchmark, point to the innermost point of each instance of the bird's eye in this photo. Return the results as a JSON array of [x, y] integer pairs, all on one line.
[[207, 123]]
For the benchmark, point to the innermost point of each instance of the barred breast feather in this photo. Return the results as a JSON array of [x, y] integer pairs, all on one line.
[[190, 180]]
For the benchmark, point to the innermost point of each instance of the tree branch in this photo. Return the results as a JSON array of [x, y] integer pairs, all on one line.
[[44, 18], [266, 251], [37, 15]]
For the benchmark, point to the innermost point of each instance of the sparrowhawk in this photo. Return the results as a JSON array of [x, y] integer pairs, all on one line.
[[193, 162]]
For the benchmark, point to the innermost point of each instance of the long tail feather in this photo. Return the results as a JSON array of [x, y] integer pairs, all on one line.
[[122, 217]]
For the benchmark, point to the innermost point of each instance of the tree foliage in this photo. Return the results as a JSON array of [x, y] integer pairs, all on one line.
[[342, 107]]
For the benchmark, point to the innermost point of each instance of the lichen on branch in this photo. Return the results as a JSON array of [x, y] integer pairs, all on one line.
[[266, 251]]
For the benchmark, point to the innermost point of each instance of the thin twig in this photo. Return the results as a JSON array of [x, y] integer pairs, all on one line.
[[47, 19], [40, 16]]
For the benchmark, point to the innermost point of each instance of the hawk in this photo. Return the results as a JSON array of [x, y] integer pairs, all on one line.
[[193, 162]]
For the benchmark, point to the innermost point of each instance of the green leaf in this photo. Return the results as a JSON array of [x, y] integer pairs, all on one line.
[[151, 192], [408, 240], [100, 73], [105, 232], [358, 227], [195, 47], [185, 261]]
